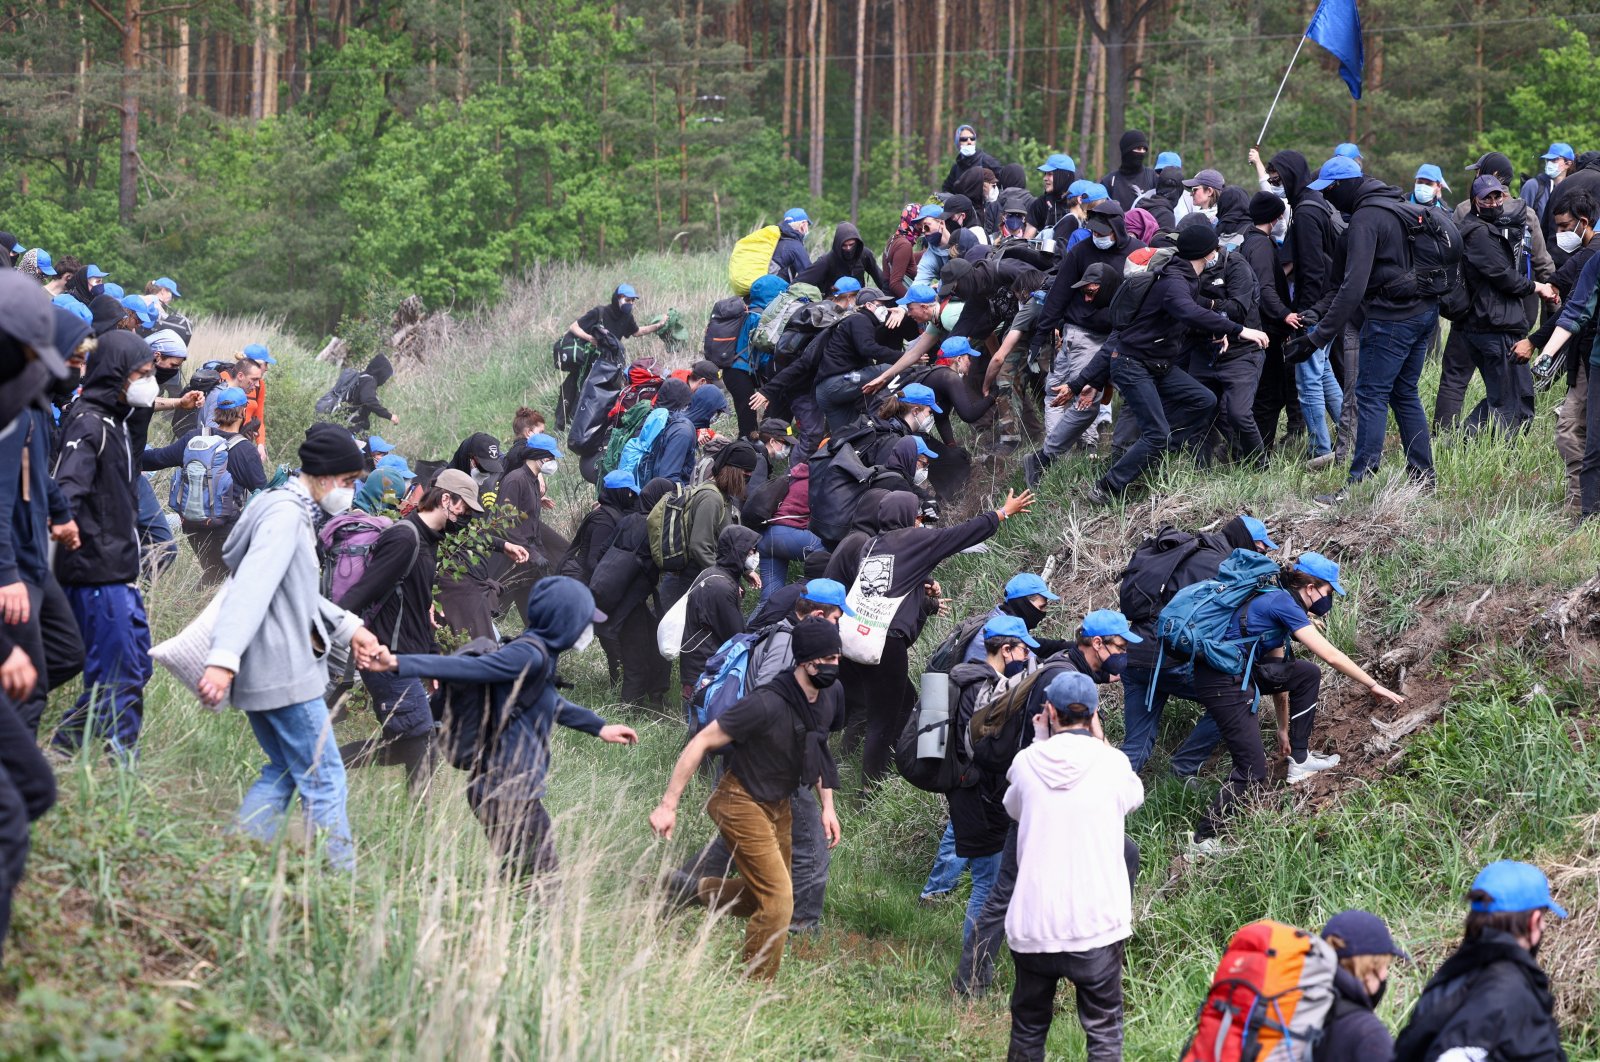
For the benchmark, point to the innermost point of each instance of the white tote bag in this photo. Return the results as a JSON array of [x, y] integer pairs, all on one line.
[[862, 637], [184, 654], [669, 632]]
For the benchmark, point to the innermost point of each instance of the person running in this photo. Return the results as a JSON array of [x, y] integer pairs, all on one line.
[[777, 738], [1353, 1032]]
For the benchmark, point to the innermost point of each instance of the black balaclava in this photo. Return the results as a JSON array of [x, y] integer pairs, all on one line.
[[1342, 194], [1132, 160]]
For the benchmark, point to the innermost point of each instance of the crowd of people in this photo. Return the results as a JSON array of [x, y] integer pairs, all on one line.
[[761, 556]]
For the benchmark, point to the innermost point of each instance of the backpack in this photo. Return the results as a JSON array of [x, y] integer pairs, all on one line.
[[202, 491], [1002, 726], [1269, 998], [342, 391], [1194, 624], [1162, 565], [752, 258], [804, 325], [775, 318], [571, 353], [935, 767], [347, 541], [1336, 222], [465, 710], [721, 344], [634, 426], [206, 378], [1433, 249], [668, 528], [757, 508], [838, 479], [723, 682], [1131, 294]]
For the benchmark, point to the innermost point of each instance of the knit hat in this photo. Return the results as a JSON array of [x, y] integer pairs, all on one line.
[[330, 450], [741, 455], [1196, 241], [813, 639], [1265, 208]]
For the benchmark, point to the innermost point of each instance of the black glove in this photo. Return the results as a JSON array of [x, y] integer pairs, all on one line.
[[1309, 318], [1298, 348]]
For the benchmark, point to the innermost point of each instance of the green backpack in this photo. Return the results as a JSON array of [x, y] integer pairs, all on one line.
[[626, 428], [668, 528]]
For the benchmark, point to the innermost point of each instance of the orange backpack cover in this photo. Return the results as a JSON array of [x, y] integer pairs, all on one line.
[[1269, 997]]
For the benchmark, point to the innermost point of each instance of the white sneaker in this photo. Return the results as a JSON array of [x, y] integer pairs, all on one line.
[[1206, 849], [1299, 772]]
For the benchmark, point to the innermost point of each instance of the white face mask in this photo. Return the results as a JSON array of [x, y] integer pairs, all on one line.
[[781, 453], [1280, 229], [992, 195], [921, 477], [924, 423], [969, 150], [1569, 241], [1212, 260], [1424, 193], [752, 562], [1552, 169], [585, 639], [337, 500], [548, 468], [141, 394], [1104, 243]]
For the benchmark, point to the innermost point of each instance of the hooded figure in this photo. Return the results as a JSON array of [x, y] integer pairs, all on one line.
[[968, 156], [848, 258], [789, 257], [1132, 176], [706, 405], [624, 575], [597, 531], [1312, 239], [1233, 211], [1067, 305], [383, 489], [714, 614], [364, 402], [673, 454]]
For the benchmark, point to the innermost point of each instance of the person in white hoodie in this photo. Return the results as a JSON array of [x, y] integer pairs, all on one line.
[[1073, 906]]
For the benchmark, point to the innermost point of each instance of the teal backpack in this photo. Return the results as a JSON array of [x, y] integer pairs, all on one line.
[[1194, 624]]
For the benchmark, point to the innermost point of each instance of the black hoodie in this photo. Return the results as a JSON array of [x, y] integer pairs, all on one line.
[[1132, 176], [625, 574], [1495, 270], [1065, 306], [1492, 996], [1311, 238], [1372, 260], [365, 402], [96, 468], [963, 163], [596, 531], [837, 263], [714, 614]]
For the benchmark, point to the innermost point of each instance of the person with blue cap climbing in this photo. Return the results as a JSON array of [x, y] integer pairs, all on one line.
[[1027, 597], [862, 346], [789, 256], [1491, 999], [1262, 629], [617, 318]]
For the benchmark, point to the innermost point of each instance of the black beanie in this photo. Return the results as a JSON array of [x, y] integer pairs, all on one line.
[[741, 455], [1265, 208], [330, 450], [674, 395], [813, 639], [1196, 241]]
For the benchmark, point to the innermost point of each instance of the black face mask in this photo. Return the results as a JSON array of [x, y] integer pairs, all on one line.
[[827, 675], [1377, 997], [933, 239], [1016, 667], [1491, 213], [1321, 606], [61, 390], [163, 375], [1115, 664], [1028, 612]]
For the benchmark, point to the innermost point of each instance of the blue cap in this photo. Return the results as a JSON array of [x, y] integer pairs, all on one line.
[[73, 306], [259, 352], [1317, 566], [170, 284], [1559, 150], [1108, 623], [954, 347], [1079, 186], [1026, 584], [1362, 933], [923, 450], [626, 291], [137, 304], [46, 264], [1429, 172], [1072, 687], [1096, 190], [620, 479], [1059, 162], [1007, 626], [920, 395], [395, 463], [377, 444], [114, 290], [917, 294], [544, 443], [231, 398], [846, 285], [1258, 531], [94, 272], [827, 592], [17, 248], [1337, 168], [796, 214], [1169, 158], [929, 210], [1514, 886], [1348, 151]]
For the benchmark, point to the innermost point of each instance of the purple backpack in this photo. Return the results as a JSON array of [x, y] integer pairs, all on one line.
[[347, 541]]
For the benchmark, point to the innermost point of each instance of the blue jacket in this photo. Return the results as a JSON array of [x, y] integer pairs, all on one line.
[[675, 450], [762, 292], [789, 258], [24, 525]]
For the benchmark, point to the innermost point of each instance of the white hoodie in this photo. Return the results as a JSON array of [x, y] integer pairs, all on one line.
[[1069, 795]]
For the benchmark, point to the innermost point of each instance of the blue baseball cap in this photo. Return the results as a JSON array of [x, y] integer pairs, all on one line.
[[74, 307], [1169, 158], [543, 443], [626, 291], [170, 284], [929, 210], [827, 592], [395, 463], [923, 450], [1079, 186], [1514, 886], [954, 347], [1108, 623], [1317, 566], [1258, 530], [917, 294], [1337, 168], [920, 395], [1348, 151], [846, 286], [1362, 933], [620, 479], [42, 259], [1096, 190], [94, 272], [1059, 162], [1026, 584], [796, 214], [1559, 150], [377, 444], [1072, 687], [259, 352], [114, 290], [1009, 627], [232, 398], [1429, 172], [139, 306]]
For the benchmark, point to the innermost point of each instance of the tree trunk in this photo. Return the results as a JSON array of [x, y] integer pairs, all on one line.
[[897, 77], [463, 54], [258, 64], [788, 78], [1115, 74], [128, 170], [180, 72], [1074, 88], [936, 128], [1086, 110], [818, 35], [269, 74], [861, 82]]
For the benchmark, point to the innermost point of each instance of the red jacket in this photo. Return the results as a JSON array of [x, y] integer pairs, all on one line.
[[795, 509]]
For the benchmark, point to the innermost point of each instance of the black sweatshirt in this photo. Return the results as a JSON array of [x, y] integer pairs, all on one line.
[[1261, 251], [390, 567], [1371, 257], [858, 341]]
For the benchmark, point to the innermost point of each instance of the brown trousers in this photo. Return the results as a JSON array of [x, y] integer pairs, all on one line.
[[759, 836]]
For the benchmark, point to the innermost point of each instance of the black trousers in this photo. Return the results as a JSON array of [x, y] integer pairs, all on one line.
[[741, 385], [27, 791], [645, 674], [1234, 381], [881, 697], [515, 820], [1455, 373], [1276, 397], [1229, 707], [1096, 974], [52, 642]]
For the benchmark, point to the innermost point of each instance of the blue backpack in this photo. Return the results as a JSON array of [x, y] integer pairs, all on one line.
[[202, 491], [1194, 624], [723, 682]]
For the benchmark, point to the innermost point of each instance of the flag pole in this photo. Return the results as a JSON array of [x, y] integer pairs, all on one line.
[[1279, 94]]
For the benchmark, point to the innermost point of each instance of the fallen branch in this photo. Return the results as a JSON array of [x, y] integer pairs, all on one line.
[[1389, 734], [1473, 608], [335, 351]]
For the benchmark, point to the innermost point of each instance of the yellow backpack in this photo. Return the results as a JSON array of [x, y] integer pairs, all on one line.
[[751, 258]]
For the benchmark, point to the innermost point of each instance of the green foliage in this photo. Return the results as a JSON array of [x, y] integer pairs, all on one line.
[[1555, 97]]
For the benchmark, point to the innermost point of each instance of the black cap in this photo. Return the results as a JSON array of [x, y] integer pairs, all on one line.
[[775, 427], [1100, 225], [27, 316], [958, 204], [1196, 241], [1265, 208], [108, 313], [484, 449], [813, 639], [705, 370], [1095, 274]]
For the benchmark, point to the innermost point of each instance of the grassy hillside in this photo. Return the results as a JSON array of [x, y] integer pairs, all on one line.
[[146, 929]]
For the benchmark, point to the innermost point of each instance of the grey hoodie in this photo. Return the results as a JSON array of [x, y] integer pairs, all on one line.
[[272, 609]]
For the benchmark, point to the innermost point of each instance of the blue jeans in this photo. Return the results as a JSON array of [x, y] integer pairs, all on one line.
[[1392, 353], [1142, 718], [779, 545], [984, 870], [301, 758], [155, 534], [1172, 411], [947, 866], [1320, 398], [116, 666]]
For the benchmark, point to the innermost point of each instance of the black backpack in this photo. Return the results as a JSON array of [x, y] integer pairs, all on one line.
[[343, 389], [838, 479], [469, 725], [1131, 294], [946, 773], [757, 509], [1433, 247], [1162, 565], [1004, 726], [722, 331]]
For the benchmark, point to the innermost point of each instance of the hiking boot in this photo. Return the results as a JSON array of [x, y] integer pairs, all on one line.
[[1098, 495], [681, 890], [1338, 497], [1320, 462], [1032, 469], [1299, 770], [1209, 848]]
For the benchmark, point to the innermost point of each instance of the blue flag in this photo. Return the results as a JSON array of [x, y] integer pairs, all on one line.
[[1337, 27]]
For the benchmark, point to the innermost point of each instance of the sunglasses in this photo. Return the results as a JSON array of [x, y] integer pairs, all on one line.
[[969, 140]]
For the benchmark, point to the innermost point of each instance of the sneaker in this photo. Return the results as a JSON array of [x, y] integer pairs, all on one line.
[[934, 899], [1090, 437], [1098, 495], [1321, 461], [1336, 498], [1300, 771], [1209, 848]]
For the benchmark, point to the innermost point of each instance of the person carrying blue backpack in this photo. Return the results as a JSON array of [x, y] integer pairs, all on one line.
[[1235, 629]]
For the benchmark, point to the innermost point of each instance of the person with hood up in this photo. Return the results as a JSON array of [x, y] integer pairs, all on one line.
[[364, 403], [673, 454], [901, 255], [1353, 1032], [385, 485], [1491, 999], [1168, 199], [506, 785], [1311, 236], [1132, 176], [1276, 394], [1010, 197], [96, 469], [526, 489], [1053, 210], [617, 498], [1072, 909], [848, 258], [903, 468], [706, 404], [968, 156], [789, 257], [624, 580], [714, 614]]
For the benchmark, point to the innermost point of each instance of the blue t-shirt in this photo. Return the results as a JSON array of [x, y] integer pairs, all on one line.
[[1274, 615]]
